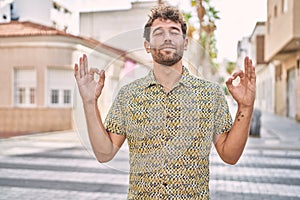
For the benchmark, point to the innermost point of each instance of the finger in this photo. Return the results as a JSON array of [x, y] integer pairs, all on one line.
[[76, 74], [249, 68], [252, 73], [93, 70], [246, 66], [239, 73], [85, 64], [101, 82], [102, 78], [229, 83], [81, 69]]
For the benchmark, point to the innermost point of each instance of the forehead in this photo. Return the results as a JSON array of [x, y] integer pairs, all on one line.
[[165, 23]]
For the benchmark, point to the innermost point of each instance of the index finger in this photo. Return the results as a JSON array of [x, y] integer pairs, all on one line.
[[85, 64], [246, 67]]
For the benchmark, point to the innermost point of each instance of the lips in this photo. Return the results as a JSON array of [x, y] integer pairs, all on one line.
[[167, 48]]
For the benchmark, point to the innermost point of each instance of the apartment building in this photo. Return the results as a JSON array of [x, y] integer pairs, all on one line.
[[53, 13], [36, 76], [282, 49], [265, 81]]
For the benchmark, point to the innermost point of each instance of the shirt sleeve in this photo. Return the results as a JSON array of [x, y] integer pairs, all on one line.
[[115, 119], [223, 119]]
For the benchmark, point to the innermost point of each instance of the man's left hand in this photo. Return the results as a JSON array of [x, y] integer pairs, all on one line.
[[244, 92]]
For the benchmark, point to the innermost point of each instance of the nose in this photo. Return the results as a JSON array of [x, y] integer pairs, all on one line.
[[167, 36]]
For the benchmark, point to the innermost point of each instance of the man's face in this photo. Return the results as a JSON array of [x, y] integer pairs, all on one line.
[[166, 42]]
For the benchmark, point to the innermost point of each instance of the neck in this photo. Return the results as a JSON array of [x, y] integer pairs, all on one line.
[[168, 76]]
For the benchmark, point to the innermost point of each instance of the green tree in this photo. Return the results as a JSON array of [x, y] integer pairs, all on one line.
[[207, 15], [230, 67]]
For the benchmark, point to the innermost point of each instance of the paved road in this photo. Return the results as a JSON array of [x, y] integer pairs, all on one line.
[[57, 166]]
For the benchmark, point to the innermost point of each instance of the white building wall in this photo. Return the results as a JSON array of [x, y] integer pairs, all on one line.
[[265, 87], [265, 73], [243, 50], [103, 25], [37, 11], [5, 11], [43, 12]]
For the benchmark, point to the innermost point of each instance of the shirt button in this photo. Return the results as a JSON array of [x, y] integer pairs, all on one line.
[[168, 116], [165, 184]]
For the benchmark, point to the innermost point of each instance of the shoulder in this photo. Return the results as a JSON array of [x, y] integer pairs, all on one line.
[[133, 87]]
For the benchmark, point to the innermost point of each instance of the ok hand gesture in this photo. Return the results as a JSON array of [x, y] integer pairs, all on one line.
[[89, 88], [244, 92]]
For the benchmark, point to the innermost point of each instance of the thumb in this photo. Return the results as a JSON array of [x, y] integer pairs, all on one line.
[[229, 83]]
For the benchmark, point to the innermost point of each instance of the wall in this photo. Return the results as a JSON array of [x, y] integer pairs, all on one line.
[[42, 53], [34, 10], [107, 24], [15, 121], [282, 29]]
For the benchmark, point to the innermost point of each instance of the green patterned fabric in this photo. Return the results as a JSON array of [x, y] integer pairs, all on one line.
[[169, 135]]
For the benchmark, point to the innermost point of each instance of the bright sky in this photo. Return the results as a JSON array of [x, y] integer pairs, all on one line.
[[238, 19]]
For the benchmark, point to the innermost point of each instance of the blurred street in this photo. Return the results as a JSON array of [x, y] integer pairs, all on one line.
[[56, 166]]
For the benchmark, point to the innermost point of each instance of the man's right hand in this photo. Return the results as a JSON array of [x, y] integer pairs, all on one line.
[[89, 88]]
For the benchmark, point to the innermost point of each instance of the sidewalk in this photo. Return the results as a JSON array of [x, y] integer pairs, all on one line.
[[59, 165], [277, 132]]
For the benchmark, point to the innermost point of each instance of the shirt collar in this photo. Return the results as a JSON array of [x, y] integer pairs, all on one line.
[[184, 80]]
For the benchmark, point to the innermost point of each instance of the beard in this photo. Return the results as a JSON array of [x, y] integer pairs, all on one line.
[[167, 58]]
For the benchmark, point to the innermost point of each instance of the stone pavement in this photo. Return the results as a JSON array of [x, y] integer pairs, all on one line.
[[59, 166], [277, 132]]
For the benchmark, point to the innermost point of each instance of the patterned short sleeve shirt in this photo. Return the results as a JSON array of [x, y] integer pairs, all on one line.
[[169, 135]]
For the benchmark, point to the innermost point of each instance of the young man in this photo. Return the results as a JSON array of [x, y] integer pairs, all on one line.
[[170, 118]]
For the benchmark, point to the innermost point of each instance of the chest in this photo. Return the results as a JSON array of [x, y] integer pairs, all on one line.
[[154, 118]]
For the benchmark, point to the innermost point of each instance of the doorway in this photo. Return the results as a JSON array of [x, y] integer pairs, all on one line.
[[291, 93]]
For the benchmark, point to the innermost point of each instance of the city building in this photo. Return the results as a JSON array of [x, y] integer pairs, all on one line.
[[5, 10], [275, 48], [52, 13], [265, 81], [36, 76], [282, 49]]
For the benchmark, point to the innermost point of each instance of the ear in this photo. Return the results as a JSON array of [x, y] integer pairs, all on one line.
[[186, 41], [147, 46]]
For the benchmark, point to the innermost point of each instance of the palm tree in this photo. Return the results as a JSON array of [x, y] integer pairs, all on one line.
[[207, 16]]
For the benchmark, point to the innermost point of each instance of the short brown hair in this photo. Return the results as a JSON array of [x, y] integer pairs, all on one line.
[[164, 12]]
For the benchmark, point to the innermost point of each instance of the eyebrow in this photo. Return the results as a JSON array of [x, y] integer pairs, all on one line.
[[172, 27]]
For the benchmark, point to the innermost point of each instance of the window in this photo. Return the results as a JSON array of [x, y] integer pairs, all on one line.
[[67, 96], [56, 6], [25, 87], [32, 95], [21, 95], [284, 6], [260, 49], [54, 96], [60, 97], [60, 86]]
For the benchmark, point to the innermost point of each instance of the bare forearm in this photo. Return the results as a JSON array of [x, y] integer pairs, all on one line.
[[236, 139], [99, 138]]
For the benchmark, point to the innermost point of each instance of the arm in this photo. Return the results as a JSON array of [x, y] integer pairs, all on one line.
[[230, 145], [105, 145]]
